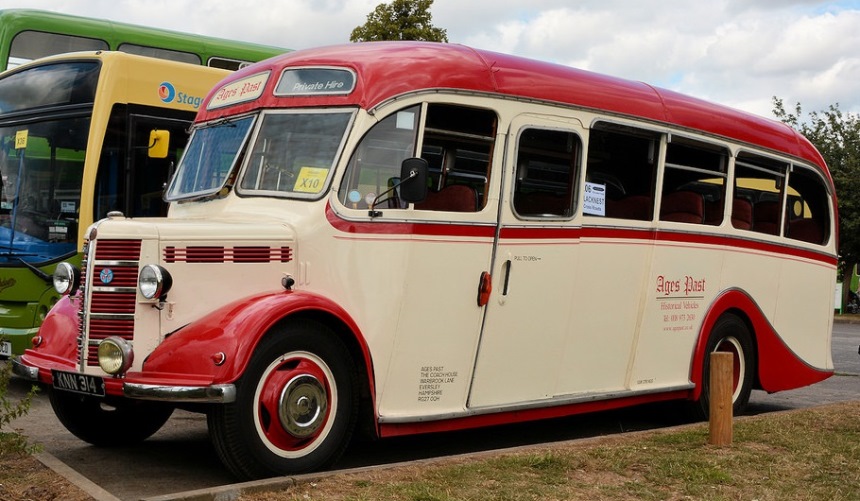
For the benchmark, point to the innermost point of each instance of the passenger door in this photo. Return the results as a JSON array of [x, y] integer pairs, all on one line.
[[528, 319]]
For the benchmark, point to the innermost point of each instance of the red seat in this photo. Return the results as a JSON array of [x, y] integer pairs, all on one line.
[[683, 207], [807, 230], [742, 214], [632, 207], [766, 217], [453, 198]]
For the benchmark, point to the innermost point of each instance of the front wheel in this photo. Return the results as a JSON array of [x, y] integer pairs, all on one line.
[[295, 408], [730, 334], [106, 423]]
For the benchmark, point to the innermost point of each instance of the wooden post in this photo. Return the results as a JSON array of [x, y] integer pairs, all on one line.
[[720, 398]]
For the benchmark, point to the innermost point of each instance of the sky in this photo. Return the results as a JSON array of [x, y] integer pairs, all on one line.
[[740, 53]]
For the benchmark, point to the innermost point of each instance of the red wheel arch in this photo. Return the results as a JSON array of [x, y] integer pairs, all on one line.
[[219, 345], [779, 368]]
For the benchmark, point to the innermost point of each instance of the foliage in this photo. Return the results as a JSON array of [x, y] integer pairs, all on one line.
[[11, 442], [400, 20], [836, 134]]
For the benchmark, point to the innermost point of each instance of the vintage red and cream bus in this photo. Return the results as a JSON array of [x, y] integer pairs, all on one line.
[[420, 237]]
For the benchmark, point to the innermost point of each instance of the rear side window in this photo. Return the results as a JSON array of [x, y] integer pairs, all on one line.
[[621, 168], [694, 182]]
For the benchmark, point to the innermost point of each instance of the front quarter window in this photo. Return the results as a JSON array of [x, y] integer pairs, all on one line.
[[294, 153], [212, 153]]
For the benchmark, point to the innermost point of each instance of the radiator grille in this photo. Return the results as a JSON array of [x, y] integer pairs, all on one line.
[[110, 294]]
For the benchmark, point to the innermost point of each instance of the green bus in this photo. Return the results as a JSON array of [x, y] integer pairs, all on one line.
[[27, 34]]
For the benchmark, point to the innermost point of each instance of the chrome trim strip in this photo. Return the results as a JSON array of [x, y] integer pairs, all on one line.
[[112, 316], [104, 262], [127, 290], [216, 393], [535, 404]]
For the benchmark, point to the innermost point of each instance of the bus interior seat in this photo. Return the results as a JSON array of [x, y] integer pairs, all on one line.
[[742, 214], [806, 230], [632, 207], [713, 212], [683, 207], [766, 217], [452, 198], [541, 203]]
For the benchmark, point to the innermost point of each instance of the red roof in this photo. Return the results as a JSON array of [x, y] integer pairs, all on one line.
[[389, 69]]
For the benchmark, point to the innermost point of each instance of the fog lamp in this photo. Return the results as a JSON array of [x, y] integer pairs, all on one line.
[[66, 278], [115, 355], [154, 281]]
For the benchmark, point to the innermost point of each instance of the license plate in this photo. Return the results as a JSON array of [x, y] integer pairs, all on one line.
[[78, 383], [5, 349]]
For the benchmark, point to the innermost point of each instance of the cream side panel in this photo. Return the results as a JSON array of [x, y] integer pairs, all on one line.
[[366, 275], [684, 280], [804, 310], [605, 313], [432, 353], [520, 354]]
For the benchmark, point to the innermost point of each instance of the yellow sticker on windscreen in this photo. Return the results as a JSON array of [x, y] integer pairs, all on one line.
[[310, 180]]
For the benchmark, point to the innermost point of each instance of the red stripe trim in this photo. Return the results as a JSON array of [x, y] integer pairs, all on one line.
[[462, 423], [572, 234]]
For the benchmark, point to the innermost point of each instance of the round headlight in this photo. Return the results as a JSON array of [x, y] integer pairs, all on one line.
[[66, 278], [115, 355], [154, 281]]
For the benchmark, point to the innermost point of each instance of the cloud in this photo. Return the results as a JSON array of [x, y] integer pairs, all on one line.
[[736, 52]]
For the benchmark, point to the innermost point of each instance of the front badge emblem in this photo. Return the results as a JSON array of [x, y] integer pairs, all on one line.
[[106, 276]]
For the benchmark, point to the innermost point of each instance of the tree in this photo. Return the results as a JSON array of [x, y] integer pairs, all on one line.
[[399, 20], [837, 137]]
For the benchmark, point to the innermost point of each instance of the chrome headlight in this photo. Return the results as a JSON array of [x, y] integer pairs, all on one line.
[[115, 355], [154, 281], [66, 278]]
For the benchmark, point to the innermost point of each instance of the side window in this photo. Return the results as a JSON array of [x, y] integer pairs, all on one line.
[[30, 45], [694, 182], [375, 164], [546, 173], [808, 209], [458, 145], [621, 172], [758, 194]]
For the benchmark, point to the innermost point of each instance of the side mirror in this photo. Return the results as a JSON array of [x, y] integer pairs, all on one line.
[[159, 143], [413, 187]]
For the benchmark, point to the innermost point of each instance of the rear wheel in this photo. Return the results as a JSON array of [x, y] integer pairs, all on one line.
[[731, 335], [295, 408], [107, 423]]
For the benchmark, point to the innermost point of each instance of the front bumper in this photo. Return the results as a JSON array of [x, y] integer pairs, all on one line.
[[164, 388]]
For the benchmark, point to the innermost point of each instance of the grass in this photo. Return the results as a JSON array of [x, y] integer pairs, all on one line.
[[809, 454]]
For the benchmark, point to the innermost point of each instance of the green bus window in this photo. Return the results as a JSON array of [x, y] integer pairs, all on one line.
[[171, 55], [30, 45]]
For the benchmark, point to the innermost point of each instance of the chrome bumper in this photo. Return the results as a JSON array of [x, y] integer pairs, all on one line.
[[19, 369], [215, 394]]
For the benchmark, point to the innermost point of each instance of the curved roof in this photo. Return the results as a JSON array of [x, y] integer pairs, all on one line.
[[388, 69]]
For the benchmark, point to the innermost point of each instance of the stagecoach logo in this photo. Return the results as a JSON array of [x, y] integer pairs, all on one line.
[[5, 283], [106, 276], [167, 92]]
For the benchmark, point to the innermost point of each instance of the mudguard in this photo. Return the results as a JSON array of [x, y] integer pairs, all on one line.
[[779, 368], [217, 347], [58, 334]]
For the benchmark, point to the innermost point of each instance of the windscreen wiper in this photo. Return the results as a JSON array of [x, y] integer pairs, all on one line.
[[36, 271]]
